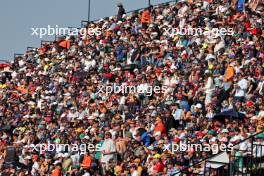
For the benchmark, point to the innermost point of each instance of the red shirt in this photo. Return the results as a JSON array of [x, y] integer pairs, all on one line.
[[159, 167], [160, 127]]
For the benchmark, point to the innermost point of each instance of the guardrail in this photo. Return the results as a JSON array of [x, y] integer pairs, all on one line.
[[84, 23], [240, 162], [30, 48], [18, 55], [71, 30], [3, 60], [254, 161], [44, 42]]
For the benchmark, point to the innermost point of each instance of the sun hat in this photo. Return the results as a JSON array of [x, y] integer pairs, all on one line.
[[225, 131], [157, 156]]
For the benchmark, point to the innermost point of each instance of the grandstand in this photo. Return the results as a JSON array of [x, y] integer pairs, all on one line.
[[61, 93]]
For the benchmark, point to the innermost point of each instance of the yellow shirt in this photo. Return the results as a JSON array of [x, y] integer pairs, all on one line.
[[3, 86]]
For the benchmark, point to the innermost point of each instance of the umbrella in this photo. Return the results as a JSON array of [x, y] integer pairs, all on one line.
[[4, 65], [260, 136], [229, 114]]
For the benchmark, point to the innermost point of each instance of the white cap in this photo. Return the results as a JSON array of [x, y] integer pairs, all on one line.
[[247, 62], [60, 155], [199, 106], [96, 114], [66, 155], [207, 71], [251, 43], [27, 157], [151, 107], [86, 137], [56, 162], [91, 118]]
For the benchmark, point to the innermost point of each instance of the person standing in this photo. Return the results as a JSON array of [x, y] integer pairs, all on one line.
[[121, 12], [108, 150], [146, 18], [209, 87]]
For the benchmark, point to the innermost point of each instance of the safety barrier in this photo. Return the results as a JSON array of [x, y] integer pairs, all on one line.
[[45, 42], [70, 31], [235, 163], [85, 23], [16, 55], [30, 48]]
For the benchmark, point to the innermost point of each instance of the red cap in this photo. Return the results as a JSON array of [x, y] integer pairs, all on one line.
[[176, 140], [200, 134], [158, 70], [35, 157], [249, 103]]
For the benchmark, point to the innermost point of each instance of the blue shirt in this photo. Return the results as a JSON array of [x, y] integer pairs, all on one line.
[[173, 172], [145, 139], [240, 5]]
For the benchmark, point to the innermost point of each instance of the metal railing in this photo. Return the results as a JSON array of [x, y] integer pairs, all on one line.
[[71, 31], [5, 61], [251, 163], [45, 42], [16, 55], [84, 23], [30, 48], [241, 162]]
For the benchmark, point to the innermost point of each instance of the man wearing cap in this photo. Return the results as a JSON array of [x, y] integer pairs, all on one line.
[[177, 112]]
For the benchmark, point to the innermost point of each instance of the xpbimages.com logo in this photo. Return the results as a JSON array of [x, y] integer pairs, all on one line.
[[182, 147], [60, 31], [50, 147], [211, 32], [126, 89]]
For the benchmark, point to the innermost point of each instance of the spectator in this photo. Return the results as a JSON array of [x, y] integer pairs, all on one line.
[[121, 12]]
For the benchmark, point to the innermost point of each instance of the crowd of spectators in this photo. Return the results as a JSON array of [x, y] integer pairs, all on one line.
[[56, 94]]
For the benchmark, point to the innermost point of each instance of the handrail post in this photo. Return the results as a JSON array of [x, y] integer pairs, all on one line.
[[251, 156], [89, 9]]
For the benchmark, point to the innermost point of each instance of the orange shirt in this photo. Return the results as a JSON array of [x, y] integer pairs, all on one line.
[[22, 89], [65, 44], [56, 172], [160, 127], [87, 161], [146, 17], [229, 73], [190, 1]]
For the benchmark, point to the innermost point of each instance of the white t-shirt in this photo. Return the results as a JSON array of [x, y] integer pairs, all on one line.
[[108, 146], [35, 165], [72, 116], [135, 173], [178, 114], [260, 87], [242, 88]]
